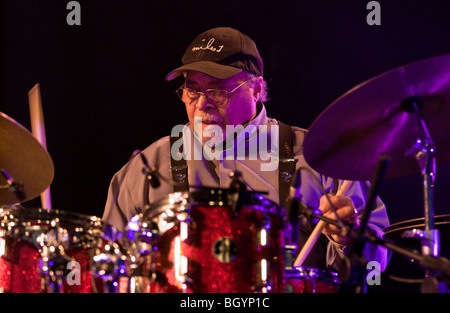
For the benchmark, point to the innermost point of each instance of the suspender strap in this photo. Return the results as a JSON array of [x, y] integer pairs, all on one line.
[[179, 169], [286, 166]]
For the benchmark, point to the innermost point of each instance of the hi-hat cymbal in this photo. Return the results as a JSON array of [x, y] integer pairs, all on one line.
[[348, 137], [25, 160]]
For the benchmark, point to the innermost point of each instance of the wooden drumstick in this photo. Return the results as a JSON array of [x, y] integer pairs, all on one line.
[[38, 130], [317, 230]]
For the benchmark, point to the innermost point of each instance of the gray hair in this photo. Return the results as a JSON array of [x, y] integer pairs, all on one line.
[[264, 94]]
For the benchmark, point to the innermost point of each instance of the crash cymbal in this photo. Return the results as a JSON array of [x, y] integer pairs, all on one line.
[[348, 137], [25, 160]]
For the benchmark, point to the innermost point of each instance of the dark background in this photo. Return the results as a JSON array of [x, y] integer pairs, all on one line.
[[104, 93]]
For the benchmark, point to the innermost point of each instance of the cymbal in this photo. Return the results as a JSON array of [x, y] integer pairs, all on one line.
[[346, 140], [25, 160]]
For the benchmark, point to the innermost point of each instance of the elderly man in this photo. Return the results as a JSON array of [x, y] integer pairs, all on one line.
[[229, 139]]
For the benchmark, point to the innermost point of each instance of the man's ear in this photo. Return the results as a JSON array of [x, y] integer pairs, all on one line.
[[257, 87]]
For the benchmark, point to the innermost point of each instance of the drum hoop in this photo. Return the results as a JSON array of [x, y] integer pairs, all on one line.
[[43, 216], [28, 223], [212, 197], [311, 272]]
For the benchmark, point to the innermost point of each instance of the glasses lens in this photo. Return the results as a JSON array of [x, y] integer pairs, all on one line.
[[191, 95], [217, 97], [186, 95]]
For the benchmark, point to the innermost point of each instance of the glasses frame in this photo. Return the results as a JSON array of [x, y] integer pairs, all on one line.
[[204, 93]]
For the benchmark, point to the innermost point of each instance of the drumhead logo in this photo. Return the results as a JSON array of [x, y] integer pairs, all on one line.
[[225, 250], [240, 143]]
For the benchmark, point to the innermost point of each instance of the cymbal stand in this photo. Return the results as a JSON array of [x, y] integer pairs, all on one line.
[[424, 152], [353, 266]]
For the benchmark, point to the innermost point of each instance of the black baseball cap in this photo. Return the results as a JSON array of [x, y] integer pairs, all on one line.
[[220, 53]]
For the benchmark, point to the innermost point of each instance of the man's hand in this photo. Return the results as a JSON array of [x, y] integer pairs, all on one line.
[[345, 209]]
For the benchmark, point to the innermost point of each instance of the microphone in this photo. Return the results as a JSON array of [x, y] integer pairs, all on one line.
[[150, 180], [295, 207], [237, 190], [150, 172], [14, 186]]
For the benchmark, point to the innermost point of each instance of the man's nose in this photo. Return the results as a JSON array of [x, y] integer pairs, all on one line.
[[202, 103]]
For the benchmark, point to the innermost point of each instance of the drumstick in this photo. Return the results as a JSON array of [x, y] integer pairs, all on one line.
[[38, 130], [317, 230]]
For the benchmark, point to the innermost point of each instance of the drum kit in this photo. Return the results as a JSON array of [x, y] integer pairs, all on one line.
[[198, 241]]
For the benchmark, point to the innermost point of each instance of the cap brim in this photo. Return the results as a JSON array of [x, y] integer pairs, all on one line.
[[212, 69]]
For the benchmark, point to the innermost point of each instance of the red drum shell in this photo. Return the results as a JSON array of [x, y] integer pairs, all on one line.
[[224, 250]]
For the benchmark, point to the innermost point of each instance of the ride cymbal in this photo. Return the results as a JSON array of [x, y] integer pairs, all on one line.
[[348, 137]]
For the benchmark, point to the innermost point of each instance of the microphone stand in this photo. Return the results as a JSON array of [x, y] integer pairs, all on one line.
[[438, 264], [139, 274], [237, 191], [352, 269], [151, 179], [300, 209]]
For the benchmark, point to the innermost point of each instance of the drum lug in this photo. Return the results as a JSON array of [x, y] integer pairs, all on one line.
[[54, 263], [263, 233], [3, 245], [185, 284], [262, 284], [289, 255], [109, 264]]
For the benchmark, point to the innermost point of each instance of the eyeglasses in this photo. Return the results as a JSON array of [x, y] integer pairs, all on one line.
[[217, 97]]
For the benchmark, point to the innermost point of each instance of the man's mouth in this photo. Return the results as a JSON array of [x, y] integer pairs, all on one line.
[[209, 122]]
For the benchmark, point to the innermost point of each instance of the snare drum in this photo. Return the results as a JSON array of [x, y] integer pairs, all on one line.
[[35, 242], [310, 280], [200, 244]]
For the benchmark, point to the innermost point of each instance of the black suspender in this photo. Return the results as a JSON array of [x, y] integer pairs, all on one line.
[[286, 165], [179, 169]]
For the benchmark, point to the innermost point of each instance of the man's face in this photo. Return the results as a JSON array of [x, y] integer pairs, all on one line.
[[239, 110]]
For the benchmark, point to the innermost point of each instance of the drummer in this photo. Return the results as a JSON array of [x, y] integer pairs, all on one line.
[[224, 93]]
